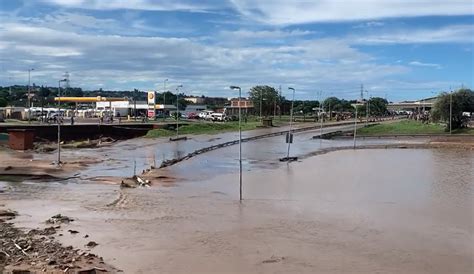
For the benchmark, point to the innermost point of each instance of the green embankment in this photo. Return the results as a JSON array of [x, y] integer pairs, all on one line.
[[409, 127], [203, 128]]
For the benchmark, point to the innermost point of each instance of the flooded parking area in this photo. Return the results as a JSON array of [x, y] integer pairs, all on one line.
[[357, 211]]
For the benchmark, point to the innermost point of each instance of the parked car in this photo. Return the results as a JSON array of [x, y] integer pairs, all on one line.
[[205, 114], [218, 116], [193, 115]]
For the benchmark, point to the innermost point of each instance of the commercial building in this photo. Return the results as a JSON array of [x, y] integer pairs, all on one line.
[[246, 107]]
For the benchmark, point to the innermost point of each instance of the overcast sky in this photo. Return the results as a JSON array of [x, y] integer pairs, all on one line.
[[399, 49]]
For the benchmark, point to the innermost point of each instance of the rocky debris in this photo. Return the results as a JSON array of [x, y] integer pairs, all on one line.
[[7, 213], [273, 259], [134, 182], [73, 231], [59, 219], [92, 271], [47, 146], [92, 244], [37, 251]]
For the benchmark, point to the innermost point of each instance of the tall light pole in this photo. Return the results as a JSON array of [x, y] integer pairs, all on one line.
[[289, 139], [29, 98], [450, 111], [367, 109], [261, 99], [320, 118], [240, 140], [355, 125], [177, 110], [58, 162], [274, 107], [164, 99]]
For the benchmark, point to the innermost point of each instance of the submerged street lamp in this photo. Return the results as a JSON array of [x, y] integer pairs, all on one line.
[[355, 124], [321, 119], [240, 140], [289, 135], [58, 162], [177, 110]]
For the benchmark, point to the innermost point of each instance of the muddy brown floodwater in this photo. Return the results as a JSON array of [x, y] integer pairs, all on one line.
[[352, 211]]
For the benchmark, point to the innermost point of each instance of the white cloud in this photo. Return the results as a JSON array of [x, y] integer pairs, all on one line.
[[264, 34], [163, 5], [283, 12], [421, 64], [370, 24], [445, 34], [114, 60]]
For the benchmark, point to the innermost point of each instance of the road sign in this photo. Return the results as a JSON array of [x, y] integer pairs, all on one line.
[[289, 138], [151, 98], [151, 113]]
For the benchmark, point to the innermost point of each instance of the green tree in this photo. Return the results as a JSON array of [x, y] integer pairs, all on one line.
[[462, 101], [3, 102], [336, 104], [305, 107], [268, 96], [377, 107]]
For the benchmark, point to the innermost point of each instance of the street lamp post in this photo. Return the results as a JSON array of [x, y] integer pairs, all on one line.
[[367, 109], [240, 140], [261, 96], [320, 118], [58, 163], [450, 111], [291, 123], [135, 104], [177, 110], [274, 107], [29, 98], [355, 125], [164, 99]]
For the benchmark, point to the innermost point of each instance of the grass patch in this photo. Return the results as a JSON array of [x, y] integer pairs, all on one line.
[[469, 131], [403, 127], [203, 128]]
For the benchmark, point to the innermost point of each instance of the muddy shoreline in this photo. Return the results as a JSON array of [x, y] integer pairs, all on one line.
[[37, 250]]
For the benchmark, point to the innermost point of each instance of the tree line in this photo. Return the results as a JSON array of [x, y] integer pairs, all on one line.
[[271, 102]]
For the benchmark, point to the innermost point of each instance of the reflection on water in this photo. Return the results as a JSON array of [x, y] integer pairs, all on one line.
[[439, 183], [453, 174], [400, 210]]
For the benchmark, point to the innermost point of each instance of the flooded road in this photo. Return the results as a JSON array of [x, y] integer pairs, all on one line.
[[358, 211]]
